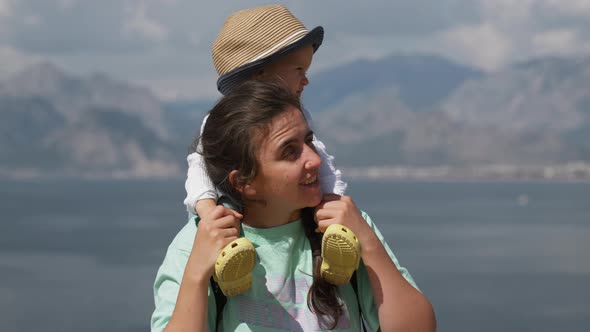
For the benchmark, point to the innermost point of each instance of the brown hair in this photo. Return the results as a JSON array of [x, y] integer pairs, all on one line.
[[234, 130]]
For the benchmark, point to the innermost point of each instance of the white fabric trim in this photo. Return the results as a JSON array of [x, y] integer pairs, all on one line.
[[330, 178], [280, 44]]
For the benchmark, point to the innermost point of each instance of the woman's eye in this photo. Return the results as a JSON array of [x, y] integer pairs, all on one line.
[[289, 152]]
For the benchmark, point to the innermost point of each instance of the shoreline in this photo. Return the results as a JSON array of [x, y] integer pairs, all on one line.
[[568, 172]]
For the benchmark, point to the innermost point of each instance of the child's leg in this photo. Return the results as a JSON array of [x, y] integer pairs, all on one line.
[[340, 248], [198, 185], [341, 254], [233, 268]]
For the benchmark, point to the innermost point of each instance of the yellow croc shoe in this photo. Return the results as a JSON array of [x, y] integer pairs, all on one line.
[[234, 265], [341, 254]]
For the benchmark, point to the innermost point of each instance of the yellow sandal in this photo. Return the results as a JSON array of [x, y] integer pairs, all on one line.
[[341, 254], [234, 265]]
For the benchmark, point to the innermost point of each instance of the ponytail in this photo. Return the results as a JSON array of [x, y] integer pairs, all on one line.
[[322, 298]]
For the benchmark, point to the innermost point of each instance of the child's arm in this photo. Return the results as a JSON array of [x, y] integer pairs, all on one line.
[[201, 196], [204, 206]]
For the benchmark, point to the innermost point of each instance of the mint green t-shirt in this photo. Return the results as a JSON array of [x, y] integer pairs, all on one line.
[[277, 300]]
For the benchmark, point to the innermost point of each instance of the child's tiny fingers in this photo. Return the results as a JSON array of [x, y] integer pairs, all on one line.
[[323, 214], [231, 232], [232, 212], [237, 214], [227, 221]]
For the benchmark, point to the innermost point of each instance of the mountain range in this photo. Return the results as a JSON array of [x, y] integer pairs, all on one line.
[[403, 110], [537, 112], [57, 125]]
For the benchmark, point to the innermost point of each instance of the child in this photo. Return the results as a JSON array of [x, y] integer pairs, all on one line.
[[268, 43]]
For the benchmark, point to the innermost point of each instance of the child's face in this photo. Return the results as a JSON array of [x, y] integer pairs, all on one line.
[[291, 69]]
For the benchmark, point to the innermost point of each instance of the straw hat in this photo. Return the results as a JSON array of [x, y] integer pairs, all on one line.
[[252, 38]]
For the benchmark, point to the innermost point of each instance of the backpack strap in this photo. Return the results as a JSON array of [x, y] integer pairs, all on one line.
[[354, 284], [220, 300]]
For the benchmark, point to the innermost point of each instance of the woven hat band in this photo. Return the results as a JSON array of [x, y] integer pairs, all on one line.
[[289, 40], [253, 34]]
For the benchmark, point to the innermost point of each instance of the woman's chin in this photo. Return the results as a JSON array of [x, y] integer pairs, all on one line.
[[312, 193], [315, 200]]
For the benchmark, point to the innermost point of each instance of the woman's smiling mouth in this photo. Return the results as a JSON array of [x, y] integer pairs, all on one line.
[[311, 180]]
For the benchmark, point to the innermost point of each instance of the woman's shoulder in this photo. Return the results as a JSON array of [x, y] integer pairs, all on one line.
[[184, 239], [367, 218]]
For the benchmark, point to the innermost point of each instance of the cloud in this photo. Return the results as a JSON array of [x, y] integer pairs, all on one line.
[[166, 43], [66, 5], [32, 20], [5, 8], [140, 25], [510, 31], [386, 17], [482, 46], [68, 27], [555, 41], [569, 7], [564, 42], [507, 12], [12, 60], [5, 15], [491, 43]]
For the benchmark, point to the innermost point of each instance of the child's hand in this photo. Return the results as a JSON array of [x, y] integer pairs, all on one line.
[[215, 231], [341, 210], [204, 206]]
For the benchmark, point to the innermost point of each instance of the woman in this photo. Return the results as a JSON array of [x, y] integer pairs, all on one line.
[[257, 147]]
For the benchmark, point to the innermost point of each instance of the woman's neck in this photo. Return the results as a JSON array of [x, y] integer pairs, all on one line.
[[261, 216]]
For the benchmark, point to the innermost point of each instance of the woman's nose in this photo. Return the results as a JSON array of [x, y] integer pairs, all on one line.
[[313, 160]]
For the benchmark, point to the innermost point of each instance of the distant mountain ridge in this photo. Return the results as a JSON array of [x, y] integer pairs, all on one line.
[[70, 94], [400, 111], [421, 80], [54, 124], [531, 113]]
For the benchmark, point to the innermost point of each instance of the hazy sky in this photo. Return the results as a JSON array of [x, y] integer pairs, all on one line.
[[165, 44]]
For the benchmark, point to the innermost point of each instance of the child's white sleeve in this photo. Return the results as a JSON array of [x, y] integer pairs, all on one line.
[[198, 185], [330, 177]]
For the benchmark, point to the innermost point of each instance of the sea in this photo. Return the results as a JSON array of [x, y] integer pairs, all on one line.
[[490, 256]]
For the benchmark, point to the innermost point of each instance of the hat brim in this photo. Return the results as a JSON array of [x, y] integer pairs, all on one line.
[[233, 78]]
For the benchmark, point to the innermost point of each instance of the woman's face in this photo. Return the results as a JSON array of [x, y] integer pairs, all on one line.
[[289, 165]]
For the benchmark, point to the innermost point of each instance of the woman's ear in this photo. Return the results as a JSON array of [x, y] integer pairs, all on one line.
[[240, 185]]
